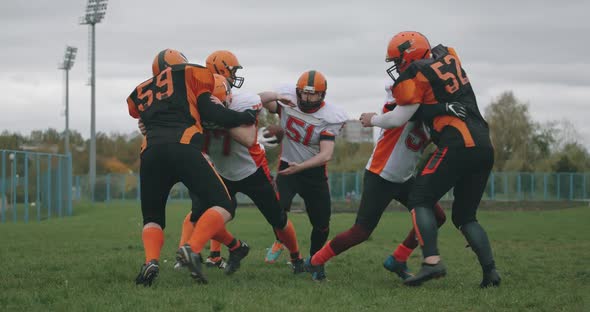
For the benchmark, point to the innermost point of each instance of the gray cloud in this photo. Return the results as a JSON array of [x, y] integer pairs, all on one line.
[[534, 48]]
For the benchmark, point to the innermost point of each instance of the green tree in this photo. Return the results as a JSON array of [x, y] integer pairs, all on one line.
[[10, 141], [520, 143], [572, 158], [511, 128]]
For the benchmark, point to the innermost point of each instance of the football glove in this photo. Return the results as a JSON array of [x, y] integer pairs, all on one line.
[[456, 109], [269, 142]]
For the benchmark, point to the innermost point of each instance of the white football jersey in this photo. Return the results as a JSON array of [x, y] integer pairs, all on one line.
[[232, 160], [398, 150], [303, 131]]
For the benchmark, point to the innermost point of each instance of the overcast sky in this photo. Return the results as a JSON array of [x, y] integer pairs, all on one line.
[[538, 49]]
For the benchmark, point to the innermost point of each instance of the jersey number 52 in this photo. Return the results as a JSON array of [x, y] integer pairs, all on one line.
[[453, 75]]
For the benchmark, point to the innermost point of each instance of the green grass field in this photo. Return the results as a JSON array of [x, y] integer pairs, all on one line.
[[88, 262]]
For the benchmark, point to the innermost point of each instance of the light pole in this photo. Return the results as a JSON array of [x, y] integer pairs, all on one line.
[[11, 157], [95, 11], [66, 65]]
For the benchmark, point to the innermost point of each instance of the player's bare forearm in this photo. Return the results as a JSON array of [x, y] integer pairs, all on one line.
[[269, 100], [245, 135], [323, 157]]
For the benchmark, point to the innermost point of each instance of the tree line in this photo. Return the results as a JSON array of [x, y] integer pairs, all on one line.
[[521, 144]]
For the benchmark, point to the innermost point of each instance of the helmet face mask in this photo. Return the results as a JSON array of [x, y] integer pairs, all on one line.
[[311, 91], [393, 71], [309, 101], [233, 79]]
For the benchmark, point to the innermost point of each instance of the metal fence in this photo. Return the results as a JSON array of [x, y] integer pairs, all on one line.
[[345, 186], [38, 186], [34, 186]]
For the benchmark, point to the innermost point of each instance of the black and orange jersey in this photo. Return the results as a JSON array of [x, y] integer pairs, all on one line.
[[441, 79], [167, 104]]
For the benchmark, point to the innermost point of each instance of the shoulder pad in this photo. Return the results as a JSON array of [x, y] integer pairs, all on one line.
[[245, 100]]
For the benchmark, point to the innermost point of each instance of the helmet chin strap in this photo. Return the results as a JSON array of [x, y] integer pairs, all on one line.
[[309, 106]]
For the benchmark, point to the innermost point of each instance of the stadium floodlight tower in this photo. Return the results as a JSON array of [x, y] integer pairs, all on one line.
[[95, 11], [66, 65]]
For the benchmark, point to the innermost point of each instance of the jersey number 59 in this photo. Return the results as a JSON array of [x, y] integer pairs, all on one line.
[[163, 89]]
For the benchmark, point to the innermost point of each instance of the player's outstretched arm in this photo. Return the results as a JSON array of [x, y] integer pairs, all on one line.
[[325, 154], [395, 118], [270, 100], [245, 135], [222, 116]]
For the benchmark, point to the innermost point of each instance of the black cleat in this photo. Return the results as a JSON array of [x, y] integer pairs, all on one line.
[[297, 266], [319, 275], [490, 279], [148, 273], [427, 272], [318, 272], [399, 268], [235, 256], [193, 262]]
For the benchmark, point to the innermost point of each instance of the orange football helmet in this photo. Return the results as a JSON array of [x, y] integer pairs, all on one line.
[[226, 64], [313, 84], [167, 58], [405, 48], [221, 90]]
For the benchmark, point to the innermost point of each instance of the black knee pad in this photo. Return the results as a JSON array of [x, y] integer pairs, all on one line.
[[279, 223], [195, 216], [157, 220], [460, 220]]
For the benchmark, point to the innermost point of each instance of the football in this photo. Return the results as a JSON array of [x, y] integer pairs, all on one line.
[[275, 130]]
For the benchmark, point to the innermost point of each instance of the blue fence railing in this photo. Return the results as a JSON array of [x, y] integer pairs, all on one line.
[[502, 186], [38, 186], [34, 185]]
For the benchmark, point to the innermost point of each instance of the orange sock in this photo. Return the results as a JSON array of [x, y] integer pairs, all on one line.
[[215, 246], [187, 230], [323, 255], [402, 253], [209, 224], [288, 237], [224, 237], [153, 240]]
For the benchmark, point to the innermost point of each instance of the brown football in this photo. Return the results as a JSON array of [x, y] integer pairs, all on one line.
[[275, 130]]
